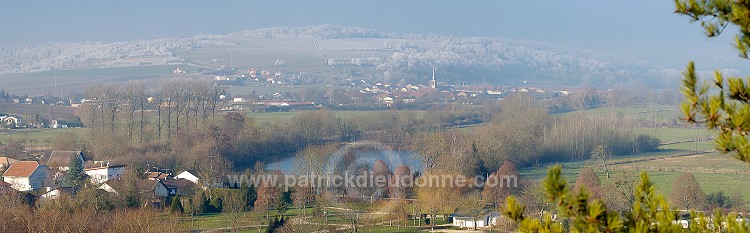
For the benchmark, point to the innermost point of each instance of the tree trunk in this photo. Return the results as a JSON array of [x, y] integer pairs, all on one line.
[[158, 121]]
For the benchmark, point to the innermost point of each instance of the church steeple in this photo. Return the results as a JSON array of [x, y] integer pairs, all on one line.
[[432, 83]]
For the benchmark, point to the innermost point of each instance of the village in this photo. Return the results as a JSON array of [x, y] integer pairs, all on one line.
[[44, 181], [49, 111], [358, 93]]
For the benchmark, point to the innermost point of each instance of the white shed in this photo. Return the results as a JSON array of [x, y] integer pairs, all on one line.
[[485, 220]]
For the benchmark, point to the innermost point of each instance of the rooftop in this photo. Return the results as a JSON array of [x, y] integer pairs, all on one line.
[[22, 169], [61, 158]]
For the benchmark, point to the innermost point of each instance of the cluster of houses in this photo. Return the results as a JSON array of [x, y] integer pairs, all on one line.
[[37, 178], [47, 100], [230, 76], [389, 95], [13, 122]]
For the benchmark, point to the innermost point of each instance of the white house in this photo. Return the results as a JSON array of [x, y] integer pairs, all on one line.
[[27, 176], [102, 174], [192, 176], [485, 220], [188, 175], [60, 159]]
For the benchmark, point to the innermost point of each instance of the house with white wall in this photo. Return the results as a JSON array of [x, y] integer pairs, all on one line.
[[27, 176], [193, 176], [488, 219], [190, 175], [99, 175]]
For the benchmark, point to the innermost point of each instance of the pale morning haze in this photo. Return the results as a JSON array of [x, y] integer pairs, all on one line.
[[639, 29], [374, 116]]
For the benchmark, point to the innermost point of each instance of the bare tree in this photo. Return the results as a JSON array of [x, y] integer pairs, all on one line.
[[141, 103], [619, 191], [472, 206], [131, 98], [686, 193], [600, 155], [401, 182], [501, 183], [234, 207], [381, 173], [590, 181], [111, 96]]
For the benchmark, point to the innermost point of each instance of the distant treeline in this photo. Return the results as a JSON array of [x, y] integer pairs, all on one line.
[[523, 132]]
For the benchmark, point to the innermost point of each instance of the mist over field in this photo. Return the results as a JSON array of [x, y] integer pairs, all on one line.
[[386, 56]]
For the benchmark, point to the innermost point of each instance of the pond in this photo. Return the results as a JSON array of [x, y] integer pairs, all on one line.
[[393, 158]]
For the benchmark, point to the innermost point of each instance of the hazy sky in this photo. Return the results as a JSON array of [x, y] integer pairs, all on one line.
[[637, 28]]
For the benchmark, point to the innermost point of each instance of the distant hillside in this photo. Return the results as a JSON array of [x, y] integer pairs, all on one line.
[[351, 52]]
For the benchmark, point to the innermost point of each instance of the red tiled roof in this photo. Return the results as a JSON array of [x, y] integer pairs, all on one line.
[[152, 175], [22, 169]]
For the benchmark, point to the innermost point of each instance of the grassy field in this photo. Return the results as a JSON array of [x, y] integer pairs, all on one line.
[[295, 55], [702, 145], [26, 111], [714, 172], [40, 83], [40, 137], [263, 88], [44, 137], [337, 218], [646, 113], [677, 134], [682, 138], [299, 55]]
